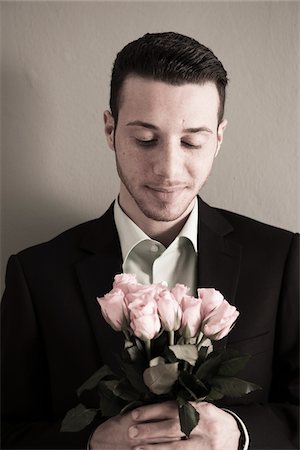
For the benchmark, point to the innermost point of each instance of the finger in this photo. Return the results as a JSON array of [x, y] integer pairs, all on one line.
[[158, 411], [156, 432]]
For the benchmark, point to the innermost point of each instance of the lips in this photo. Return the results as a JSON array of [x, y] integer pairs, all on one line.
[[166, 189], [165, 194]]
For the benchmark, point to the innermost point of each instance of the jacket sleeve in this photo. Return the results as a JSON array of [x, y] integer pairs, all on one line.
[[27, 419], [275, 425]]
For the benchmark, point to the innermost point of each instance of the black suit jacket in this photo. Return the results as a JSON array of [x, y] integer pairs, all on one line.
[[54, 337]]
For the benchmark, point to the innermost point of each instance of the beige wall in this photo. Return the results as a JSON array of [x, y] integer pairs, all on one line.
[[56, 63]]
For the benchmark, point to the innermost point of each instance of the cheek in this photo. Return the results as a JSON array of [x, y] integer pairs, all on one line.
[[133, 167], [127, 153], [201, 165]]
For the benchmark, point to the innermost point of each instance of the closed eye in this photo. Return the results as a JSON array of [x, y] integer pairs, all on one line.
[[146, 142], [188, 145], [153, 142]]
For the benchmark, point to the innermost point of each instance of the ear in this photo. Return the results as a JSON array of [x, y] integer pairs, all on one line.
[[109, 128], [220, 135]]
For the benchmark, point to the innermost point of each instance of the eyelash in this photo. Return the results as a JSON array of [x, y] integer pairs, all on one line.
[[148, 143], [153, 142]]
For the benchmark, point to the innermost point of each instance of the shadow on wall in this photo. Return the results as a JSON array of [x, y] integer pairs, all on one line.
[[34, 202]]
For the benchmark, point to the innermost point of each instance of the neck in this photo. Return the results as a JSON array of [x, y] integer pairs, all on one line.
[[161, 231]]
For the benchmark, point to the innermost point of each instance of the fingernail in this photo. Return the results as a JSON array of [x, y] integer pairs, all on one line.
[[133, 432], [135, 415]]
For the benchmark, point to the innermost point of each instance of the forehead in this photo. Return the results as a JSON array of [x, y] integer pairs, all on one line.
[[152, 100]]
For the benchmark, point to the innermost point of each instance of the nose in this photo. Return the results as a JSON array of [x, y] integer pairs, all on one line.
[[168, 161]]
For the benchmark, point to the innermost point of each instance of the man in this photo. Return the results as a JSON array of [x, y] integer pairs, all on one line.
[[166, 127]]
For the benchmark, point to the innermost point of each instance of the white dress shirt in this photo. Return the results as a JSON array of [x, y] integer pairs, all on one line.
[[151, 261]]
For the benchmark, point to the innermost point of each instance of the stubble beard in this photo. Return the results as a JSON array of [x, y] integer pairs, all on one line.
[[160, 214]]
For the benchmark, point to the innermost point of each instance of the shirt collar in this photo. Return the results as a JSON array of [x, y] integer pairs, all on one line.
[[190, 228], [130, 234]]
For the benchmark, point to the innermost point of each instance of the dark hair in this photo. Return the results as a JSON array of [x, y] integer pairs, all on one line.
[[169, 57]]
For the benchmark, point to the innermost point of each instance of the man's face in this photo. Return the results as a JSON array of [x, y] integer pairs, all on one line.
[[165, 142]]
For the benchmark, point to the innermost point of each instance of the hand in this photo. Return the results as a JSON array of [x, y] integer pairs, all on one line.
[[159, 425], [113, 434], [151, 424], [216, 429]]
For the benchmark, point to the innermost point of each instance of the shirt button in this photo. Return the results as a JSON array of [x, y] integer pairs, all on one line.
[[154, 248]]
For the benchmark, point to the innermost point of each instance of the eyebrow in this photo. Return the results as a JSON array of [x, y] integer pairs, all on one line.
[[198, 130], [139, 123], [150, 126]]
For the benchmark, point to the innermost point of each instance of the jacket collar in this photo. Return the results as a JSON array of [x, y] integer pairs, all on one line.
[[93, 241]]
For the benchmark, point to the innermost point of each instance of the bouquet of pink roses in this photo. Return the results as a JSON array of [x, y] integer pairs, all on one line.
[[168, 352]]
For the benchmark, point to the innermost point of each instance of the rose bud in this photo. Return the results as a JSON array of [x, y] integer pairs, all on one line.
[[191, 316], [211, 299], [144, 320], [169, 311], [114, 309], [125, 281], [220, 321], [179, 291]]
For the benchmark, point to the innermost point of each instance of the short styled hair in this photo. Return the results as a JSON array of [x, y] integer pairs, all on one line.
[[169, 57]]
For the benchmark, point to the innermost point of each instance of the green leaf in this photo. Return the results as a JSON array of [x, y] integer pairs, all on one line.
[[109, 404], [161, 378], [156, 361], [210, 367], [189, 418], [183, 396], [110, 385], [135, 376], [170, 356], [193, 386], [94, 380], [234, 365], [202, 354], [214, 395], [185, 352], [128, 344], [120, 388], [78, 418], [125, 391], [131, 406], [136, 356], [233, 387]]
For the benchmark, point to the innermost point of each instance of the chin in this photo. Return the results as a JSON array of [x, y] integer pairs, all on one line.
[[162, 214]]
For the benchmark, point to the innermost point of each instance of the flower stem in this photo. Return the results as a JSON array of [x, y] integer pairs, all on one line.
[[200, 338], [148, 349], [171, 337], [127, 335]]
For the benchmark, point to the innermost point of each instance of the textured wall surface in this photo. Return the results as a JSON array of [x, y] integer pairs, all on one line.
[[56, 61]]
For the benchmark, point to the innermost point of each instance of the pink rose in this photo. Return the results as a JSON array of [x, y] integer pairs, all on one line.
[[211, 299], [141, 291], [125, 282], [191, 316], [114, 309], [169, 311], [144, 320], [179, 291], [219, 322]]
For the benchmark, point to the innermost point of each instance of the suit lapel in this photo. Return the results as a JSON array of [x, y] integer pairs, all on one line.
[[219, 256], [96, 274]]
